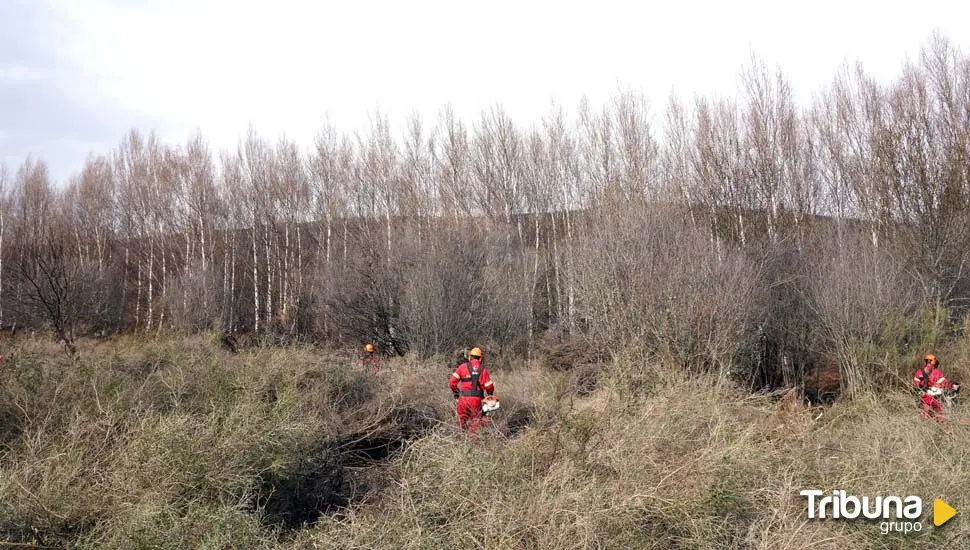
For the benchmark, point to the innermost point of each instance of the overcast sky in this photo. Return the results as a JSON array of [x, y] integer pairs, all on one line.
[[75, 75]]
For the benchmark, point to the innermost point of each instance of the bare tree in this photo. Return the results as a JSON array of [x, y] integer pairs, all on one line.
[[852, 299], [4, 217], [717, 162], [676, 158], [129, 168], [497, 154], [49, 278], [256, 158], [329, 179], [88, 207], [378, 178], [418, 195], [861, 120], [194, 215], [331, 168], [833, 160], [638, 152], [48, 273], [923, 168], [238, 218], [770, 141], [452, 156], [144, 180], [539, 180], [598, 158], [562, 184]]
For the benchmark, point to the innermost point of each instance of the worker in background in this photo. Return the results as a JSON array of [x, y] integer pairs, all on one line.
[[470, 383], [369, 357], [930, 377]]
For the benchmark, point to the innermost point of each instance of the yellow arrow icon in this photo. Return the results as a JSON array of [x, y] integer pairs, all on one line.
[[942, 512]]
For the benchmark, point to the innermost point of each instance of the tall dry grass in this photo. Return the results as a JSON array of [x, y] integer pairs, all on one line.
[[173, 443]]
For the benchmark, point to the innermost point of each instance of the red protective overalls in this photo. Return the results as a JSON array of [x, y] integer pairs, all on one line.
[[370, 358], [470, 383], [925, 380]]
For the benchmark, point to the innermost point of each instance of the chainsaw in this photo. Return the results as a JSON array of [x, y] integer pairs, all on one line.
[[489, 404], [946, 396]]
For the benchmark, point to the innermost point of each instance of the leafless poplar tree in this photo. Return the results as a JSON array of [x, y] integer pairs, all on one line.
[[5, 204]]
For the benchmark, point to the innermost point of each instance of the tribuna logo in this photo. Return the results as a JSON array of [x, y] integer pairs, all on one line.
[[905, 511]]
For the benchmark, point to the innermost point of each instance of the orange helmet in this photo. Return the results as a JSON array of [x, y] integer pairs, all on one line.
[[931, 359], [475, 352], [369, 348]]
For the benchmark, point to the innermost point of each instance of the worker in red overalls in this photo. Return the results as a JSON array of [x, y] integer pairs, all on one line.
[[927, 378], [369, 357], [470, 383]]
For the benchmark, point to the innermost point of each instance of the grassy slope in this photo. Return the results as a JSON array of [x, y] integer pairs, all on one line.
[[172, 443]]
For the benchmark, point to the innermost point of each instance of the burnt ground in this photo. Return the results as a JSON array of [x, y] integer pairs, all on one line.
[[822, 386], [339, 472]]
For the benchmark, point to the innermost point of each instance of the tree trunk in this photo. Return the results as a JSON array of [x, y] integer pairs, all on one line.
[[270, 277], [205, 263], [532, 293], [151, 283], [256, 311]]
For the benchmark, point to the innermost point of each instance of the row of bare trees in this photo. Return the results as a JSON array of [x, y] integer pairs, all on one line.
[[745, 231]]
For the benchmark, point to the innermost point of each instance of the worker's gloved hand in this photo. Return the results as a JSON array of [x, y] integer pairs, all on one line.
[[956, 388], [456, 394]]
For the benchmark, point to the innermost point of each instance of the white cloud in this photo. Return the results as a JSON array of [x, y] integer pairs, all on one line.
[[220, 64], [19, 73]]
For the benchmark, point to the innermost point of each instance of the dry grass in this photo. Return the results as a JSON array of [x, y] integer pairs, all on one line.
[[171, 443]]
